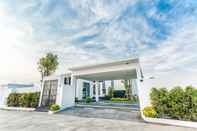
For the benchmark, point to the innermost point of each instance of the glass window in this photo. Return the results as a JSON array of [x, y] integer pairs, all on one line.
[[67, 80]]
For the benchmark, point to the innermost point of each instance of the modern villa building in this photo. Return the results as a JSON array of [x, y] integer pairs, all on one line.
[[89, 81]]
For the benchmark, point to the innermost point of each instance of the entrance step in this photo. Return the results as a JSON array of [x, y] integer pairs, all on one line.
[[42, 109]]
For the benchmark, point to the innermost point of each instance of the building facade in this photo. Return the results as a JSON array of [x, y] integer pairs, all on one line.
[[88, 81]]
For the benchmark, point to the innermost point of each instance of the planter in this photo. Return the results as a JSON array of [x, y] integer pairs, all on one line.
[[171, 122], [53, 112], [19, 109]]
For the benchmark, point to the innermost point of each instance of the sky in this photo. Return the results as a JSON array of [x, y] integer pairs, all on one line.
[[162, 33]]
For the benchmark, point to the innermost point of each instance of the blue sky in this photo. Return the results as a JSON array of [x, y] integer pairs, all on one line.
[[163, 33]]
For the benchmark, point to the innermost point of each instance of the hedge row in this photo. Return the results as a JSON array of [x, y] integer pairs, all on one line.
[[177, 103], [23, 99]]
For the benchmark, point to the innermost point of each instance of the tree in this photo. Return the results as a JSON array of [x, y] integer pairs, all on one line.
[[47, 65], [111, 92]]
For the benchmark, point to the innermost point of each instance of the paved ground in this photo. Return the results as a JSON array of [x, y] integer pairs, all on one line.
[[41, 121], [104, 113]]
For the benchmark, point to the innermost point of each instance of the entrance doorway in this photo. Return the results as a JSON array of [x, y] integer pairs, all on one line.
[[86, 90], [49, 93]]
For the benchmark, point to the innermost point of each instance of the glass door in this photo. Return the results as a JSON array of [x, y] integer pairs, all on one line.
[[86, 90]]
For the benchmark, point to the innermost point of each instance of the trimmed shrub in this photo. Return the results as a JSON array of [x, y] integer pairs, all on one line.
[[159, 101], [119, 99], [88, 100], [177, 103], [134, 99], [119, 94], [13, 99], [105, 98], [23, 99], [149, 111], [76, 99], [111, 92], [55, 107]]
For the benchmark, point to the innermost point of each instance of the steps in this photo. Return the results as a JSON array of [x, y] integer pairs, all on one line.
[[42, 109]]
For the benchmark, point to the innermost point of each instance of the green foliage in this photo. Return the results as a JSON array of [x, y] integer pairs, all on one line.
[[128, 89], [119, 99], [13, 99], [107, 97], [134, 99], [177, 103], [88, 99], [76, 99], [119, 93], [125, 100], [23, 99], [160, 100], [111, 92], [48, 64], [54, 107], [149, 111]]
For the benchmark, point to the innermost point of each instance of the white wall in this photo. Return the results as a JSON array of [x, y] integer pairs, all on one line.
[[2, 97]]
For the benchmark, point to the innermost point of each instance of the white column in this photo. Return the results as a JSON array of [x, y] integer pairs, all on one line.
[[73, 87], [97, 88]]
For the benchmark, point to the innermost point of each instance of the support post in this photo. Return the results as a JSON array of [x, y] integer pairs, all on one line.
[[97, 88], [74, 87]]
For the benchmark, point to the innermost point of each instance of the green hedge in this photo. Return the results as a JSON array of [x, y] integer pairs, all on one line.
[[88, 99], [177, 103], [23, 99], [119, 94]]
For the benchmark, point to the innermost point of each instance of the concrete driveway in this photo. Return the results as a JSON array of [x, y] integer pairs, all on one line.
[[41, 121], [105, 113]]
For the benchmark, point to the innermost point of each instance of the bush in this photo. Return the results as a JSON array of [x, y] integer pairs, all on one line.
[[76, 99], [23, 99], [177, 103], [119, 94], [111, 92], [13, 99], [119, 99], [149, 111], [134, 99], [88, 100], [159, 101], [55, 107], [105, 98]]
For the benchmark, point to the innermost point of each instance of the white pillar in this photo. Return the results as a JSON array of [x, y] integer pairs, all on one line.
[[74, 87], [97, 88]]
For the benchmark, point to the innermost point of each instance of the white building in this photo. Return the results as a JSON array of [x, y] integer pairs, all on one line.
[[6, 89], [93, 81]]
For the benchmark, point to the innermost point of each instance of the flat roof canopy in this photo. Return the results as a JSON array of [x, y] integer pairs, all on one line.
[[113, 75], [116, 70]]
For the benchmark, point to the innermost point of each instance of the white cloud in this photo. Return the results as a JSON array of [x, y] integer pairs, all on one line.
[[176, 53]]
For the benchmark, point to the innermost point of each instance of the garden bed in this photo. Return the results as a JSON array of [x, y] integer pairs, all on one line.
[[18, 109], [171, 122]]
